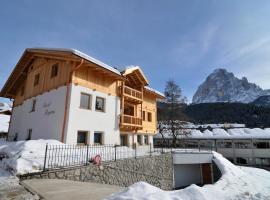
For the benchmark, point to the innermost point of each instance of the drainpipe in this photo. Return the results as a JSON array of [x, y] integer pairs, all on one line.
[[67, 98]]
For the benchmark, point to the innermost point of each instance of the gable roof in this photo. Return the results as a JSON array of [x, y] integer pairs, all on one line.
[[136, 70], [18, 74]]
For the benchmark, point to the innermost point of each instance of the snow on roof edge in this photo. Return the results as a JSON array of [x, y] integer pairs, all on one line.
[[155, 91]]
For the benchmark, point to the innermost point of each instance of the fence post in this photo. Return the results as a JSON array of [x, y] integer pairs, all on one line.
[[87, 154], [115, 146], [135, 150], [45, 159]]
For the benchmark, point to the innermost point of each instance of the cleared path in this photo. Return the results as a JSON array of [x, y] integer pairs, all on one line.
[[56, 189]]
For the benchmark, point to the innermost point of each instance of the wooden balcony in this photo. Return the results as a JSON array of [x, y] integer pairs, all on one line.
[[131, 121], [133, 95]]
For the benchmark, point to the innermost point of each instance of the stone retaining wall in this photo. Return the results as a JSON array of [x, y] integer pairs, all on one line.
[[156, 170]]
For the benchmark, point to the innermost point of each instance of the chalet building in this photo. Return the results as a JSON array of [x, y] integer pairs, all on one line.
[[66, 95]]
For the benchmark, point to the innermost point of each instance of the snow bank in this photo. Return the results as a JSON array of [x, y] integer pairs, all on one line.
[[235, 183], [24, 156], [28, 156]]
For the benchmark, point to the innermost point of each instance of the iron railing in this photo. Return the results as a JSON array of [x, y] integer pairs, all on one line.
[[64, 156]]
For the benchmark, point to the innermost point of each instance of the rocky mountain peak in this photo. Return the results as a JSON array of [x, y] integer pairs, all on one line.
[[223, 86]]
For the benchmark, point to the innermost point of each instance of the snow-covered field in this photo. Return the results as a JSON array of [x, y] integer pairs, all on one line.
[[239, 183]]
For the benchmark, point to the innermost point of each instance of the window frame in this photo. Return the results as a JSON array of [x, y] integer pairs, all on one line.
[[104, 104], [101, 138], [149, 116], [143, 115], [139, 142], [87, 134], [36, 79], [54, 70], [89, 101]]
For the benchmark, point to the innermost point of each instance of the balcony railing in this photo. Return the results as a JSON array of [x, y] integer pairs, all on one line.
[[131, 121], [132, 93]]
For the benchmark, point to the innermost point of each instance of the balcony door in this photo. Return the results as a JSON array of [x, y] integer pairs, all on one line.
[[129, 110]]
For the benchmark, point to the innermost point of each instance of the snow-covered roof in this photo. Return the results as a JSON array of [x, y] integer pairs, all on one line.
[[235, 133], [80, 54], [155, 91]]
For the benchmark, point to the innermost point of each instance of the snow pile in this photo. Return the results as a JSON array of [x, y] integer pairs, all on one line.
[[235, 183], [24, 156]]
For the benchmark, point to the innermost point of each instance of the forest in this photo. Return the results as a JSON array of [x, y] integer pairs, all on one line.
[[249, 114]]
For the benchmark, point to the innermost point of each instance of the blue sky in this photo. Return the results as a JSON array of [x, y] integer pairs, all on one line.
[[182, 40]]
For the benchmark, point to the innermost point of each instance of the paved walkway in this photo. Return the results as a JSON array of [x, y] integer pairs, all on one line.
[[56, 189]]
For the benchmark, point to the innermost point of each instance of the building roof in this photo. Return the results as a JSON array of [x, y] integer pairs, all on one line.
[[18, 74], [159, 94]]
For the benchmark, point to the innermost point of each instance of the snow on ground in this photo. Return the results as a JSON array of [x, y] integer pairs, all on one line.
[[28, 156], [239, 183], [24, 156]]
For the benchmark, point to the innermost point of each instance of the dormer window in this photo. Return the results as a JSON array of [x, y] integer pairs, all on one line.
[[54, 70], [36, 80]]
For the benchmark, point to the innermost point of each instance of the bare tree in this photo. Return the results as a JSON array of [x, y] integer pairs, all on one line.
[[174, 111]]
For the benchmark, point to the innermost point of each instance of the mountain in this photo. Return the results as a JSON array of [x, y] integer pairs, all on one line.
[[263, 101], [223, 86]]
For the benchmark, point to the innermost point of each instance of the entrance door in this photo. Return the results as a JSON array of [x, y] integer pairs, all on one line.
[[206, 173], [123, 140]]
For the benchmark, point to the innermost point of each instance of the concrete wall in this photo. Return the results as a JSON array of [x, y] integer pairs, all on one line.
[[47, 119], [91, 120], [187, 174], [156, 170]]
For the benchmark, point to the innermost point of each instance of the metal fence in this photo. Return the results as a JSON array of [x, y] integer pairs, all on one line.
[[64, 156]]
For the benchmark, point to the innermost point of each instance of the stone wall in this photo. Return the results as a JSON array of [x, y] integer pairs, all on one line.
[[156, 170]]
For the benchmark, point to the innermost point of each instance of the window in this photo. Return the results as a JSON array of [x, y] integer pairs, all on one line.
[[149, 117], [36, 80], [143, 116], [54, 70], [22, 91], [98, 138], [85, 101], [262, 145], [33, 108], [241, 161], [146, 140], [100, 104], [29, 134], [82, 137], [139, 139]]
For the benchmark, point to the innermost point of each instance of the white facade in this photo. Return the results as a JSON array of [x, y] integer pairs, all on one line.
[[46, 121], [91, 120]]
